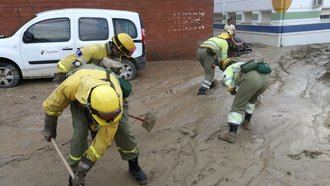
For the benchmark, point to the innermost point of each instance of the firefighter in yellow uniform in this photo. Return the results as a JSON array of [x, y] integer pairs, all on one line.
[[121, 46], [92, 95], [209, 54]]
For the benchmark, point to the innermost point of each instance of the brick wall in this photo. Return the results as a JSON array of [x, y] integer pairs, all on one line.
[[173, 27]]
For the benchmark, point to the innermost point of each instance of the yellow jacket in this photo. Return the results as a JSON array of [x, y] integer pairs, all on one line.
[[89, 54], [219, 47], [77, 88]]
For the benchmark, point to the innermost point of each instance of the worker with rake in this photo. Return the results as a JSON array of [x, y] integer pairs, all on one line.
[[97, 102]]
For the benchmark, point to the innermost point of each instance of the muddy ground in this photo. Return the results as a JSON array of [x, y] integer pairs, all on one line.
[[289, 143]]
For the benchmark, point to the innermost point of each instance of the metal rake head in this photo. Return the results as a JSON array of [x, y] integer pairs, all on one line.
[[149, 120]]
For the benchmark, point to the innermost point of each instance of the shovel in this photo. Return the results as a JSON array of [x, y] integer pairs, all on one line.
[[63, 159], [149, 120]]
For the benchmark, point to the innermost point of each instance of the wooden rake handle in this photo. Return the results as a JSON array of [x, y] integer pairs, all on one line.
[[137, 118], [67, 166]]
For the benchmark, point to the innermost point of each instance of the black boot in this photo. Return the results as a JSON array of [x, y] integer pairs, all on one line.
[[136, 171], [202, 91]]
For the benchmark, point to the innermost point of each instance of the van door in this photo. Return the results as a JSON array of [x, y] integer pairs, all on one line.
[[45, 42], [131, 26], [92, 28]]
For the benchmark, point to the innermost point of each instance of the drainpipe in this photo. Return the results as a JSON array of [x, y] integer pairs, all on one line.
[[282, 24], [223, 11]]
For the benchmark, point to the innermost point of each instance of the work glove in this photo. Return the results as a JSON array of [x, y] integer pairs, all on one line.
[[112, 64], [59, 77], [83, 167], [49, 131], [232, 90]]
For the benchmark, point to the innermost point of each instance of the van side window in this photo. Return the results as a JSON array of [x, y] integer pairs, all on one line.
[[51, 30], [93, 29], [125, 26]]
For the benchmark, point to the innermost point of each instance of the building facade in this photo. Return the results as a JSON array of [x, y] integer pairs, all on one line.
[[174, 28], [276, 22]]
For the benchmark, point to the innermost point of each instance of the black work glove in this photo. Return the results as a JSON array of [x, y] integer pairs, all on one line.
[[59, 77], [49, 131], [83, 167]]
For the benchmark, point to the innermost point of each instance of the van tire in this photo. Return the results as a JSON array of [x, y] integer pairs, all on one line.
[[128, 71], [9, 75]]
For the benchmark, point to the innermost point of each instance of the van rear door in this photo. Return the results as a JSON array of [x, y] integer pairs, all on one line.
[[130, 23], [92, 28]]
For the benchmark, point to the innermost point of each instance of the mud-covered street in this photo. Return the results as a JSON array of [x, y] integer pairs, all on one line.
[[289, 143]]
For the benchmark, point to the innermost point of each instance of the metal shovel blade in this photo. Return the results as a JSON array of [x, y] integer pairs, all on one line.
[[149, 120]]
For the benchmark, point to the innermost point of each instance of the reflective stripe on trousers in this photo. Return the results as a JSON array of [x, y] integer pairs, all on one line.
[[250, 108], [206, 84], [235, 118], [74, 158], [128, 151]]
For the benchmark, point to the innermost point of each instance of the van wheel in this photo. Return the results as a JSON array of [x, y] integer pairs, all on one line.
[[128, 71], [9, 75]]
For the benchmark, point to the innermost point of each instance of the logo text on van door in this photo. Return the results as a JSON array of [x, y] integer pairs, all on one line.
[[48, 52]]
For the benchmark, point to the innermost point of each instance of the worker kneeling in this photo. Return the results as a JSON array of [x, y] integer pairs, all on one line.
[[246, 81], [96, 99]]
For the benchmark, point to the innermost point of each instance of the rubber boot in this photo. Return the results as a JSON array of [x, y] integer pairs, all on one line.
[[136, 171], [202, 91], [214, 84]]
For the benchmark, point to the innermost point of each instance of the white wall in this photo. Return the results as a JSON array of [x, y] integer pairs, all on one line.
[[288, 39], [242, 5], [250, 5], [326, 4], [302, 38], [256, 37]]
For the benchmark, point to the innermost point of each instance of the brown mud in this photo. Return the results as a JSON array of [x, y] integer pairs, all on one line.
[[289, 143]]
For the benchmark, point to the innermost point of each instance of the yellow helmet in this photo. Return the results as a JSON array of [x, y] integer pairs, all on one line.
[[226, 63], [124, 43], [104, 105], [224, 35]]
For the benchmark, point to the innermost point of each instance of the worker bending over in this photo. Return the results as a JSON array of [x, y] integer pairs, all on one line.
[[209, 54], [246, 81], [121, 46]]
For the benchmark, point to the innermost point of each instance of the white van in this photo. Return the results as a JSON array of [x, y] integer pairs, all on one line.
[[34, 50]]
